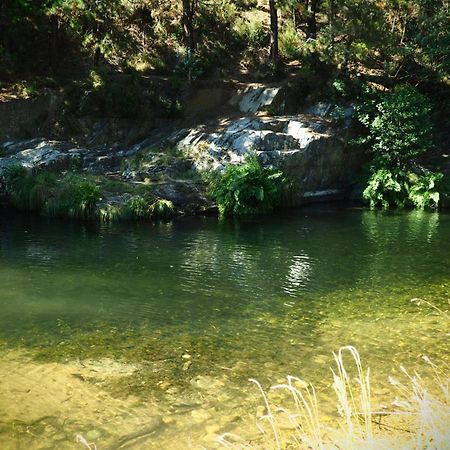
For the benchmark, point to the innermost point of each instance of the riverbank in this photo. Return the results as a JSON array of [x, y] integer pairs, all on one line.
[[173, 163]]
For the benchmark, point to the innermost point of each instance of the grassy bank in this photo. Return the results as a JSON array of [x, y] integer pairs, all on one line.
[[78, 196]]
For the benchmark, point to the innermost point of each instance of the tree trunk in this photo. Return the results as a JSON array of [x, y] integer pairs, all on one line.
[[273, 32], [332, 14], [188, 27], [312, 20], [54, 42]]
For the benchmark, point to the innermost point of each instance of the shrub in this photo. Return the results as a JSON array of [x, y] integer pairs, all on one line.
[[387, 188], [247, 189], [399, 127], [399, 131]]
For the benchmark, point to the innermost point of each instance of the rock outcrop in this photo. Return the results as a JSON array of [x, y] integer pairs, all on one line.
[[309, 150], [39, 154], [29, 117]]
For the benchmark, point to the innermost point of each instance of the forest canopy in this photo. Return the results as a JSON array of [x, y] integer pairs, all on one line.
[[387, 39]]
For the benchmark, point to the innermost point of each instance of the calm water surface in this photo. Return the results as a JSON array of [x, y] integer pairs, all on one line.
[[177, 316]]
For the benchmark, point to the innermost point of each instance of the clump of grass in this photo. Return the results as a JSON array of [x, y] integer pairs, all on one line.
[[29, 191], [110, 213], [70, 196], [77, 196], [74, 197], [162, 209], [137, 207]]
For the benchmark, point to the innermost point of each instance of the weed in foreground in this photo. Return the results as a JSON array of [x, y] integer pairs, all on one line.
[[427, 414]]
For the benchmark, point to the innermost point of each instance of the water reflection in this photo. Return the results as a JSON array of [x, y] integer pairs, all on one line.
[[298, 275]]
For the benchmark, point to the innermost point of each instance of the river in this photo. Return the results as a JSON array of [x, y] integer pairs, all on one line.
[[105, 329]]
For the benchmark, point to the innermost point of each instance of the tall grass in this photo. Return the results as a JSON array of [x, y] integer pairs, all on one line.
[[77, 196], [71, 195], [427, 414]]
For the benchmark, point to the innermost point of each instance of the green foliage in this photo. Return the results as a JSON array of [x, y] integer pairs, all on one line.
[[110, 213], [251, 31], [70, 196], [389, 188], [400, 39], [290, 45], [136, 208], [73, 197], [399, 126], [247, 189], [29, 191], [162, 209], [423, 191], [112, 96], [399, 131], [191, 66]]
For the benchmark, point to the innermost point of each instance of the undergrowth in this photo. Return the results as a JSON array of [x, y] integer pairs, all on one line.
[[76, 196], [398, 132], [248, 188], [69, 196]]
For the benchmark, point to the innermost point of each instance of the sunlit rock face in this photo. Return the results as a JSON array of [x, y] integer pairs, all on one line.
[[38, 154], [309, 150], [259, 98]]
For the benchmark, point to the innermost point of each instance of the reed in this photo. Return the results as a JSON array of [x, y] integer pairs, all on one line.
[[427, 413]]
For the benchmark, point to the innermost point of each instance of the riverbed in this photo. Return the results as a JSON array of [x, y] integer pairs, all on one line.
[[153, 329]]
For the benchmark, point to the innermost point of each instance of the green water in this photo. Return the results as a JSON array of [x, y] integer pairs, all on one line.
[[262, 298]]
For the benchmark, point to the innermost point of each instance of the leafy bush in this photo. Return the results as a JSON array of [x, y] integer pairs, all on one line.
[[399, 126], [399, 131], [387, 188], [422, 190], [247, 189]]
